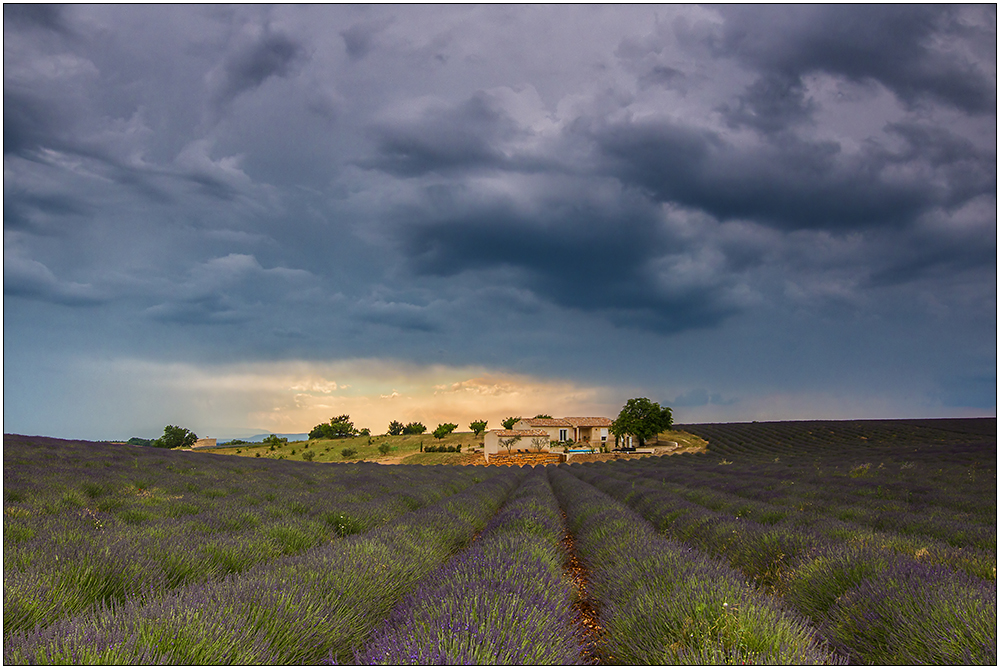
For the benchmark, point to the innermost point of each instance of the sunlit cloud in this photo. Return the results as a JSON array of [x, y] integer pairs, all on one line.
[[292, 397]]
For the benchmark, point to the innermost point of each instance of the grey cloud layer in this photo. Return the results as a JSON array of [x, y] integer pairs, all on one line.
[[337, 181]]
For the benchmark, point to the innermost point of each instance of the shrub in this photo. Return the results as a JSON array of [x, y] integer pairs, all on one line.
[[444, 429], [384, 448], [349, 452], [308, 456]]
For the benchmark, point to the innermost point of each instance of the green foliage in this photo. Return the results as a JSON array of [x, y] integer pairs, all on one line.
[[349, 453], [443, 430], [344, 524], [414, 428], [477, 427], [642, 419], [396, 428], [175, 437], [275, 441], [509, 422], [364, 432], [139, 441], [338, 428], [384, 448], [308, 456], [443, 449], [543, 415]]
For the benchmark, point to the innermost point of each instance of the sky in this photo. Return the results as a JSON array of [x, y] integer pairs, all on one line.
[[243, 219]]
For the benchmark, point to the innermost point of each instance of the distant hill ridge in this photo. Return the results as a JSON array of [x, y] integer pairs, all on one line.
[[257, 438]]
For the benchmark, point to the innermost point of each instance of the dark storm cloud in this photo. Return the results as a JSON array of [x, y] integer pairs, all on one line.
[[30, 279], [574, 255], [791, 184], [359, 39], [773, 103], [254, 60], [26, 211], [445, 139], [30, 122], [700, 397], [231, 289], [894, 45], [402, 315], [203, 310], [740, 196], [35, 15]]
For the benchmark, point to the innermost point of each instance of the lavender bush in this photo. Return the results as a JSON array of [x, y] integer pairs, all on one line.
[[916, 614], [502, 601], [663, 602], [294, 610]]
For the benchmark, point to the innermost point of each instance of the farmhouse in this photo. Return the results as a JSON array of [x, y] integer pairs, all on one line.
[[588, 429], [536, 434]]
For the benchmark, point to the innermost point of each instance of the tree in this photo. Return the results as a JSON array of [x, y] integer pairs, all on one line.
[[338, 427], [543, 415], [364, 432], [414, 428], [275, 440], [139, 441], [509, 422], [396, 428], [384, 448], [538, 442], [342, 426], [477, 427], [642, 419], [444, 429], [509, 442], [175, 437]]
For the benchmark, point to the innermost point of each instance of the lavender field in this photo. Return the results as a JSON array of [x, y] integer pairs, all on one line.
[[863, 542]]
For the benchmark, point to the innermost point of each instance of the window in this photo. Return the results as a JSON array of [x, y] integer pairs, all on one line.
[[563, 434]]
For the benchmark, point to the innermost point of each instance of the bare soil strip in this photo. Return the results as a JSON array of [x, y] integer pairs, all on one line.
[[587, 613]]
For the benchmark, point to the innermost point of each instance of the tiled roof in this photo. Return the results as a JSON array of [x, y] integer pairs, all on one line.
[[521, 433], [588, 421], [547, 422]]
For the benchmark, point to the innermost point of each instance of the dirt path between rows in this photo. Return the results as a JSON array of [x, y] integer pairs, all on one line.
[[586, 612]]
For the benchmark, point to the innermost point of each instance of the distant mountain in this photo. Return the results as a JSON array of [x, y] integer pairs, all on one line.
[[298, 436]]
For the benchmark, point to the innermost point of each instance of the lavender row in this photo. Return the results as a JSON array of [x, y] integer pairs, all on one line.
[[294, 610], [837, 584], [883, 608], [775, 534], [840, 437], [663, 602], [172, 519], [502, 601], [949, 493], [943, 504]]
